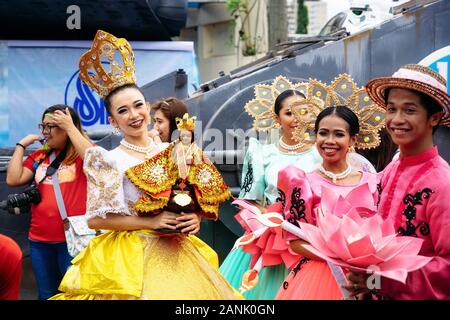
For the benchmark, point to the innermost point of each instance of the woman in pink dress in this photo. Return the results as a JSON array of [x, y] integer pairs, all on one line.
[[336, 130]]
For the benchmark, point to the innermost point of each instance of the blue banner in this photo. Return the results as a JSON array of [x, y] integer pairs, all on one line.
[[37, 74], [439, 61]]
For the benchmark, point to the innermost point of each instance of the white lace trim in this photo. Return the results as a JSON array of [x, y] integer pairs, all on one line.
[[103, 211]]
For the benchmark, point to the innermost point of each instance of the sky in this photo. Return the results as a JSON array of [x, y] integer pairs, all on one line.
[[336, 6]]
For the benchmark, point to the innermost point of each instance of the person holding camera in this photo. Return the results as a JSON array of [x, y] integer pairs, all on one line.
[[64, 137]]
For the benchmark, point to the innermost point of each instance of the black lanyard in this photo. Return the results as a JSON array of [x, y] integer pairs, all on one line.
[[54, 165]]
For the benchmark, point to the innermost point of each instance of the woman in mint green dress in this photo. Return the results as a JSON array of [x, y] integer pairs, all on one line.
[[260, 171]]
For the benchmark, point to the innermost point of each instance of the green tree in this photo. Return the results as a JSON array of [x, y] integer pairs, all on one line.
[[240, 10], [302, 17], [278, 23]]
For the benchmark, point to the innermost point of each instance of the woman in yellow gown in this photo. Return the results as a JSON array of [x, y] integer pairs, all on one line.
[[132, 259]]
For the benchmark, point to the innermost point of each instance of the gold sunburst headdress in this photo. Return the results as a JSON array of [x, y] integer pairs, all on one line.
[[261, 108], [101, 76], [342, 91], [186, 123]]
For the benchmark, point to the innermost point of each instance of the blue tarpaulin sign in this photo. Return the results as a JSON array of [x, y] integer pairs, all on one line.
[[37, 74]]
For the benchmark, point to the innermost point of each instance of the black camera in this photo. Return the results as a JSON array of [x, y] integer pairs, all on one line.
[[21, 202]]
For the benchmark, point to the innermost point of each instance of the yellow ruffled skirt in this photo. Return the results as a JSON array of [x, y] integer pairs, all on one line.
[[145, 265]]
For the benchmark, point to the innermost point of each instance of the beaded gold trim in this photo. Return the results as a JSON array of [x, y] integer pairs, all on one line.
[[149, 204], [156, 174], [211, 186]]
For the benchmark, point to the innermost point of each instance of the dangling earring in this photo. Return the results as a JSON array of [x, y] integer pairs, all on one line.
[[116, 131], [351, 149]]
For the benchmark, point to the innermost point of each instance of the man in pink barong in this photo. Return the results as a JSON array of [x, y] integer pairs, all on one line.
[[414, 189]]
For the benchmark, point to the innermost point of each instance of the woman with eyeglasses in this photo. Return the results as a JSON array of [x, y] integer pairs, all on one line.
[[62, 131]]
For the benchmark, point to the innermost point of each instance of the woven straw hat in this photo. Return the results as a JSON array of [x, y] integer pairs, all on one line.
[[415, 77]]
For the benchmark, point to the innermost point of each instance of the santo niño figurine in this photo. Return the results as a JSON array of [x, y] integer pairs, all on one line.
[[180, 178]]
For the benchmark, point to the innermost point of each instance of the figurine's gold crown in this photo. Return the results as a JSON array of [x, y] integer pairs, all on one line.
[[103, 77], [342, 91], [186, 123]]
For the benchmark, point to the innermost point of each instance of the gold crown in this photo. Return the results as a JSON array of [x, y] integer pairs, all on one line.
[[186, 123], [95, 74], [342, 91]]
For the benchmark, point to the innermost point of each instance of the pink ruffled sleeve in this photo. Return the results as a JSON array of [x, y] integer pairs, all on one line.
[[295, 196]]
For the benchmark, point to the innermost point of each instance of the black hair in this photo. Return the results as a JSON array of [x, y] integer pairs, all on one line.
[[342, 112], [71, 152], [429, 103], [282, 96], [107, 100], [62, 107]]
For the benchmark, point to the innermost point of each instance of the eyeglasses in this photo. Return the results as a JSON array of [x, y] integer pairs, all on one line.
[[46, 127]]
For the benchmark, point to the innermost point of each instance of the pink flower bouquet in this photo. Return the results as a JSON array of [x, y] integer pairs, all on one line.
[[351, 235]]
